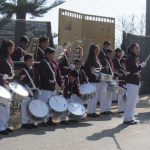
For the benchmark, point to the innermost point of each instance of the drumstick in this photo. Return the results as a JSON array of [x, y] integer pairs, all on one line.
[[147, 58]]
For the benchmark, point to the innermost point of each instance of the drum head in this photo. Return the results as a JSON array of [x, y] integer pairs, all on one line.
[[4, 93], [38, 108], [87, 89], [18, 89], [76, 109], [58, 103]]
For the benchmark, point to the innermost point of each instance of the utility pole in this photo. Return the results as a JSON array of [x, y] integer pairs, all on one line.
[[147, 17]]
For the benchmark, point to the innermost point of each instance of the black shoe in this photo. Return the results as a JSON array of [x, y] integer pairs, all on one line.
[[43, 124], [4, 132], [9, 130], [104, 113], [94, 115], [135, 122], [74, 121], [121, 112], [110, 112], [129, 122], [28, 126], [64, 123]]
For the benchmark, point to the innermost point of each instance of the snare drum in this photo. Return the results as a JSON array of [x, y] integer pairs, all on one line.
[[106, 77], [87, 91], [76, 110], [58, 104], [38, 109], [18, 91], [5, 95]]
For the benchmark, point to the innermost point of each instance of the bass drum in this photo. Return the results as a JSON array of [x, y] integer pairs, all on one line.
[[58, 104], [38, 109], [76, 110]]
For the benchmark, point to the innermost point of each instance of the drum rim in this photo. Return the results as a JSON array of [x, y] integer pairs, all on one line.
[[8, 93]]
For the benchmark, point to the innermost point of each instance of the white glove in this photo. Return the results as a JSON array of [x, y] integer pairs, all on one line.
[[5, 77], [72, 66], [143, 64]]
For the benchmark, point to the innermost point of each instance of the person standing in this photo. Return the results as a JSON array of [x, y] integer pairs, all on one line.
[[134, 69], [6, 70]]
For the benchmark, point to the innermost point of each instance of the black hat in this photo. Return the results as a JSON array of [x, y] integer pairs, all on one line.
[[50, 50], [107, 43], [118, 50], [73, 73], [109, 50]]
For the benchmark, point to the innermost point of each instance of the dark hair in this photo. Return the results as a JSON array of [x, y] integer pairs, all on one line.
[[108, 51], [43, 39], [27, 57], [24, 39], [4, 47], [106, 43], [73, 73], [131, 47]]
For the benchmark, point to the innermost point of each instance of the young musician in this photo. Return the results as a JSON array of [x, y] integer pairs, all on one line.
[[106, 45], [132, 83], [20, 51], [29, 78], [49, 75], [105, 94], [91, 63], [64, 63], [40, 52], [6, 71], [82, 77]]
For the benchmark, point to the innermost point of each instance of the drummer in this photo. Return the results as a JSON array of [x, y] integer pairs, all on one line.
[[6, 70], [91, 63], [21, 50], [105, 94], [40, 51], [29, 78], [49, 76], [71, 88]]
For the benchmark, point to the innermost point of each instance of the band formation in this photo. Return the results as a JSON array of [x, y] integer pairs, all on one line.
[[63, 90]]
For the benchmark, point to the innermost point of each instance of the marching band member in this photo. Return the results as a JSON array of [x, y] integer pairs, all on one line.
[[40, 52], [6, 70], [105, 94], [91, 63], [122, 86], [106, 45], [71, 88], [19, 53], [82, 77], [132, 83], [64, 63], [49, 75], [29, 78]]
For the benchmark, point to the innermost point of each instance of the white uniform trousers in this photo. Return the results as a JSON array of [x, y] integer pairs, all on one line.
[[92, 103], [4, 115], [103, 96], [132, 99], [109, 99], [25, 116], [121, 99]]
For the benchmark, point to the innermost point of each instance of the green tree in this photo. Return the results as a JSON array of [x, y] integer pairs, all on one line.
[[20, 8]]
